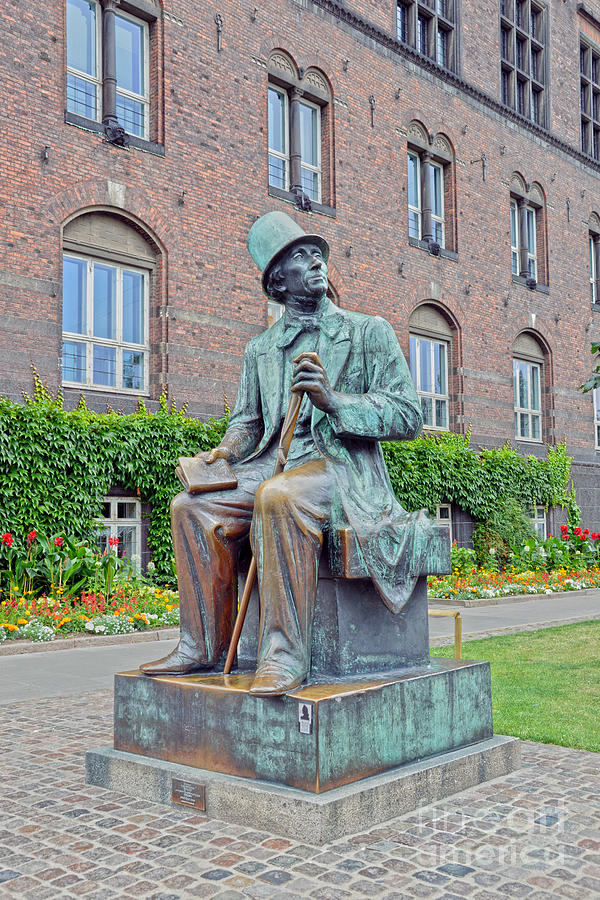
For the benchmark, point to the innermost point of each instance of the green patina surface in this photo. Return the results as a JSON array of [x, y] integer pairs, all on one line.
[[359, 728]]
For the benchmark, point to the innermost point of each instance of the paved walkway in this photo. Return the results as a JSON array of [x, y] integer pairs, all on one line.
[[533, 834]]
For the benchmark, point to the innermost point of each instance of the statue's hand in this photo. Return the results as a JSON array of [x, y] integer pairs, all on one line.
[[218, 453], [310, 376]]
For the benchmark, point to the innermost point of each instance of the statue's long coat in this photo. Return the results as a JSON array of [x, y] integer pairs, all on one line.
[[364, 362]]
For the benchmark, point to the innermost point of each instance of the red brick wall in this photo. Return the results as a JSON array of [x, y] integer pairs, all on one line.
[[208, 300]]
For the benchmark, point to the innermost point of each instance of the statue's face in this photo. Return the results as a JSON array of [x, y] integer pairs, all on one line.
[[304, 271]]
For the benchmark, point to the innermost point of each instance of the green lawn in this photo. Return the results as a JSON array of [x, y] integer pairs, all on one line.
[[545, 684]]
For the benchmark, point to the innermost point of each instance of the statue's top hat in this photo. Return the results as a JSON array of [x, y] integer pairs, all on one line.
[[274, 233]]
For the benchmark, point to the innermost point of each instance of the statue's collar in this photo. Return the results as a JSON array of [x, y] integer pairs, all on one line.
[[328, 320]]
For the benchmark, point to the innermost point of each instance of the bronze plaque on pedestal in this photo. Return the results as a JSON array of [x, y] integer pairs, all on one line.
[[187, 793]]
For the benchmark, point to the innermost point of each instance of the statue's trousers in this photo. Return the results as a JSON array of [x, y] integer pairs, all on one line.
[[285, 516]]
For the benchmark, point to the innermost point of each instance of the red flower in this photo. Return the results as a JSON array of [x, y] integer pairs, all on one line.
[[586, 531], [582, 537], [112, 542], [32, 537], [565, 537], [564, 528], [7, 539], [58, 541], [594, 536], [577, 531]]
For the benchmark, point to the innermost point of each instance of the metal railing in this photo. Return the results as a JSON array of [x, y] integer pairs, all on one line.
[[452, 614]]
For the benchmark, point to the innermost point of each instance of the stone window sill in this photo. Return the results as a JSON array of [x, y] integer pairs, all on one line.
[[288, 197], [540, 288], [444, 253], [98, 128]]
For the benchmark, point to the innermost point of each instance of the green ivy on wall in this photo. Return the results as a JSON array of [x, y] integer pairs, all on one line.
[[442, 467], [56, 466]]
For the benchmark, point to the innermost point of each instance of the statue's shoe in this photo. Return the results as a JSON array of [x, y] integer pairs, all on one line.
[[176, 663], [272, 682]]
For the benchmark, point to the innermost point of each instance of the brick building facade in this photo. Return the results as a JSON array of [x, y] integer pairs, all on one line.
[[448, 150]]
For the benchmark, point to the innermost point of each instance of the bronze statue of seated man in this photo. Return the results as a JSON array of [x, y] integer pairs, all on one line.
[[357, 392]]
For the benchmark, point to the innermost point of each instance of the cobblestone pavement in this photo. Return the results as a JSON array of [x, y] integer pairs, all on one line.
[[534, 834]]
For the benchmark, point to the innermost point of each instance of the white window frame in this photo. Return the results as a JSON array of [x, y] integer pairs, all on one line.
[[144, 98], [530, 411], [537, 517], [416, 210], [515, 234], [596, 398], [119, 344], [110, 525], [307, 166], [443, 517], [431, 395], [98, 79], [285, 156], [439, 218]]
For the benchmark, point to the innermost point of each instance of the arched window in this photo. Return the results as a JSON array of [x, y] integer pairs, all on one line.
[[431, 207], [528, 243], [432, 355], [531, 380], [299, 134], [107, 273]]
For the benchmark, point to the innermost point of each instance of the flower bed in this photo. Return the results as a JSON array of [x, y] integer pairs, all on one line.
[[128, 609], [479, 583]]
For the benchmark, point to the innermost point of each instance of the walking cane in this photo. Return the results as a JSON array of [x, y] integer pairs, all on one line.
[[287, 433]]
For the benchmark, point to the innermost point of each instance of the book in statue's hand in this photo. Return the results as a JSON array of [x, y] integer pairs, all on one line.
[[197, 476]]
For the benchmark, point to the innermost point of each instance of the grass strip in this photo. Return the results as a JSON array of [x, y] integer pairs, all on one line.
[[545, 684]]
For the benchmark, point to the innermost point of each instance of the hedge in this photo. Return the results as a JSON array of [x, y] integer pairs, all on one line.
[[56, 466]]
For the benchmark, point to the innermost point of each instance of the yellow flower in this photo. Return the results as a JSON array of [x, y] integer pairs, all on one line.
[[11, 627], [130, 619], [21, 621]]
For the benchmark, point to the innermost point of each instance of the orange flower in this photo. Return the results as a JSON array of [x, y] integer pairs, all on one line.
[[21, 621]]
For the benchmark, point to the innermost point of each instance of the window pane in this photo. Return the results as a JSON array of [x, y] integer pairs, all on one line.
[[440, 368], [523, 389], [104, 365], [126, 510], [413, 180], [133, 370], [133, 307], [309, 149], [524, 427], [438, 232], [440, 413], [442, 47], [427, 410], [81, 36], [131, 114], [423, 35], [414, 225], [515, 262], [425, 366], [310, 183], [535, 387], [81, 97], [513, 225], [536, 428], [105, 281], [106, 509], [530, 230], [73, 361], [436, 190], [127, 545], [103, 537], [277, 137], [129, 37], [74, 295], [402, 22], [413, 357], [277, 172]]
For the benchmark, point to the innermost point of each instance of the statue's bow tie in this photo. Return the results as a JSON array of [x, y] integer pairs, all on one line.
[[298, 326]]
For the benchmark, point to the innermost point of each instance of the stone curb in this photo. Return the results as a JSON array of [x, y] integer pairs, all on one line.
[[13, 648], [513, 598]]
